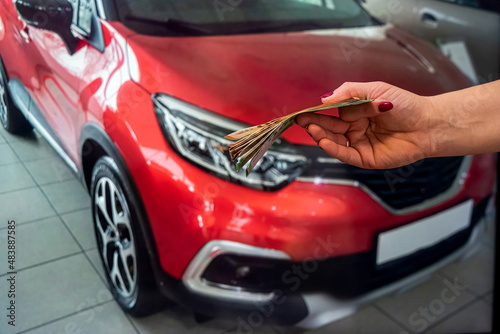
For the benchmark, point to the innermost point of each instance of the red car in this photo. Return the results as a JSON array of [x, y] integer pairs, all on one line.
[[136, 96]]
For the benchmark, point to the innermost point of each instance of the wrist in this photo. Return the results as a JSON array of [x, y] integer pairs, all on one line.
[[449, 131], [433, 126]]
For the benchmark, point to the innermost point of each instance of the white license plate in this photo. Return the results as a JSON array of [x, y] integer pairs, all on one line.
[[408, 239]]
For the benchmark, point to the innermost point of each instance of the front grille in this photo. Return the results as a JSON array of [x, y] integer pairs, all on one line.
[[399, 188]]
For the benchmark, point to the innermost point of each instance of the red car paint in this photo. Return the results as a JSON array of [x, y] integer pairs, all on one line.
[[249, 78]]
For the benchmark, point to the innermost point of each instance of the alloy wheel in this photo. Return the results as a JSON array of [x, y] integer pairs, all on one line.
[[115, 237]]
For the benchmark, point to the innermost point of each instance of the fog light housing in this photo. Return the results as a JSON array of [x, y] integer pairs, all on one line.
[[249, 273], [231, 270]]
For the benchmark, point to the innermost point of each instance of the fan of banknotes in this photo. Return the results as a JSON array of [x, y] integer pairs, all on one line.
[[253, 142]]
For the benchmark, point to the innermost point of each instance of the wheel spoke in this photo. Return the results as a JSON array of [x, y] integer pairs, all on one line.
[[127, 250], [105, 227], [123, 257], [115, 274], [113, 199], [121, 219], [101, 202]]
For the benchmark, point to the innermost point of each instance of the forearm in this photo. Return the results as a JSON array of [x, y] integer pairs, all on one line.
[[466, 121]]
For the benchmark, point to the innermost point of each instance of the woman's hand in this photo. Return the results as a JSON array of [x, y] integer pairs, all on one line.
[[392, 131]]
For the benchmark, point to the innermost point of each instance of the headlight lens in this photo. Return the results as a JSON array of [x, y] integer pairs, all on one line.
[[198, 136]]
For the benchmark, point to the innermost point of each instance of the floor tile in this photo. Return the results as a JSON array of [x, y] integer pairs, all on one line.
[[9, 137], [475, 271], [179, 321], [94, 257], [106, 318], [235, 326], [425, 304], [14, 177], [80, 224], [38, 242], [33, 148], [67, 196], [367, 320], [49, 170], [476, 318], [7, 155], [23, 206], [51, 291]]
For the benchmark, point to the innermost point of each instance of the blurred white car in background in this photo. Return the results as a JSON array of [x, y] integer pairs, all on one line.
[[468, 31]]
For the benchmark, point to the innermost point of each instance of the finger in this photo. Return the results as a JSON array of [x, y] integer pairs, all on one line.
[[318, 133], [331, 123], [357, 112], [369, 90], [362, 90], [345, 154]]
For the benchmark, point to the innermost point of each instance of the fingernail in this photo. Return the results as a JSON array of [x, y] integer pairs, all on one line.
[[326, 95], [385, 106]]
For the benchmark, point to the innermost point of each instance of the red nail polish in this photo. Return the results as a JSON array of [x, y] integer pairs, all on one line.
[[326, 95], [385, 106]]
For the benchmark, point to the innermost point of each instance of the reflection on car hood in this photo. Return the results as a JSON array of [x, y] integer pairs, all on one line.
[[255, 78]]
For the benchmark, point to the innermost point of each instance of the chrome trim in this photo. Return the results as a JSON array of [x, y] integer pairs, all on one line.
[[324, 308], [462, 174], [192, 277], [172, 103], [59, 150], [100, 9], [328, 160]]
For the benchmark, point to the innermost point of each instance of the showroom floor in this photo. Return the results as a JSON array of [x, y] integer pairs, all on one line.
[[60, 287]]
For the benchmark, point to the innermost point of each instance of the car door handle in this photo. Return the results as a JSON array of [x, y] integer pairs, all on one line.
[[25, 34], [429, 19]]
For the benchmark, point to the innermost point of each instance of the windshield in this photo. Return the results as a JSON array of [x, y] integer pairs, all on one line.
[[210, 17]]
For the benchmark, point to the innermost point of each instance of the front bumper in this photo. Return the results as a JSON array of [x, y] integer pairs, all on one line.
[[324, 308], [334, 289]]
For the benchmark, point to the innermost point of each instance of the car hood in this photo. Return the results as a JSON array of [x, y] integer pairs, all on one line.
[[257, 77]]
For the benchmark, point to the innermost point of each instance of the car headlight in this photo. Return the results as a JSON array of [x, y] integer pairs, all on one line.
[[198, 136]]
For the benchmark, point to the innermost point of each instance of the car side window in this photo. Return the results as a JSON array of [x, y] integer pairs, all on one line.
[[467, 3], [82, 16], [74, 4], [85, 16], [490, 5], [322, 3]]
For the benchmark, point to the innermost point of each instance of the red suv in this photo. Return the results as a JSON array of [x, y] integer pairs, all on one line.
[[137, 97]]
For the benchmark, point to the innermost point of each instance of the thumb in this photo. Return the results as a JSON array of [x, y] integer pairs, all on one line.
[[364, 91]]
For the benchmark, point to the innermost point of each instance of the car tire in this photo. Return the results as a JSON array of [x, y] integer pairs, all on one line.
[[11, 117], [120, 243]]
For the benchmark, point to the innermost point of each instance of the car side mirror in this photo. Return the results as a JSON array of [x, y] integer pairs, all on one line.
[[53, 15]]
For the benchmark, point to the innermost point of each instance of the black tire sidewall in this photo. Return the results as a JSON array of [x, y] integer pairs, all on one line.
[[15, 121]]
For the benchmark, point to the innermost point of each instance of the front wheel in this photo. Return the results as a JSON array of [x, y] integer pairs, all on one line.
[[120, 243]]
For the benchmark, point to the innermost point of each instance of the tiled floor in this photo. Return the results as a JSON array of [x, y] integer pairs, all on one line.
[[60, 287]]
